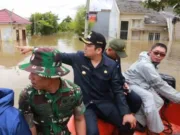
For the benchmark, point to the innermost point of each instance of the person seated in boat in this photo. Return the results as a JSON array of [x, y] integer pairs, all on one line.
[[144, 79], [97, 75], [50, 101], [12, 121], [116, 51]]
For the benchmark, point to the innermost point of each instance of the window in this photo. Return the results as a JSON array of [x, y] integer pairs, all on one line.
[[151, 36], [136, 23], [124, 29], [157, 36], [154, 36]]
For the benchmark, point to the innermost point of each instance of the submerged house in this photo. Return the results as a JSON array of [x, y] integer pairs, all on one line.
[[12, 26], [129, 20]]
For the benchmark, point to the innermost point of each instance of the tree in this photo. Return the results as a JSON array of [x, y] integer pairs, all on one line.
[[49, 23], [43, 24], [68, 19], [79, 20], [65, 25], [162, 4]]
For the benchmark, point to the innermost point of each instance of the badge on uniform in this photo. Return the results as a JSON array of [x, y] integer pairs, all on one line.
[[83, 72], [105, 71]]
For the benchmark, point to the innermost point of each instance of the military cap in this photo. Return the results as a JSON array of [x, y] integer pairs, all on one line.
[[45, 62], [119, 47]]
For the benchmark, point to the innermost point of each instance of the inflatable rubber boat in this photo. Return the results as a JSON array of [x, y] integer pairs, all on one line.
[[169, 113]]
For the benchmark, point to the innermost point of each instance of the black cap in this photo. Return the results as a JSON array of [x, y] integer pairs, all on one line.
[[94, 38]]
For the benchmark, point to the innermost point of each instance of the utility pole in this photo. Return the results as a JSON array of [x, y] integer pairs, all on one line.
[[86, 18]]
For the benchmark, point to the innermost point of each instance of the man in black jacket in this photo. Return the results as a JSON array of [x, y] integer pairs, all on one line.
[[117, 50], [97, 75]]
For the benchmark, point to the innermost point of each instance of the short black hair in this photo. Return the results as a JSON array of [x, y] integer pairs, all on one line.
[[159, 45]]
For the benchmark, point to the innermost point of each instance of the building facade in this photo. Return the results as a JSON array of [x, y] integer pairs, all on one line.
[[12, 26], [129, 20], [101, 24]]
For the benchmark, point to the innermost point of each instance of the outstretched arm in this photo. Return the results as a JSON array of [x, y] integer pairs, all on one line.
[[66, 58], [25, 49]]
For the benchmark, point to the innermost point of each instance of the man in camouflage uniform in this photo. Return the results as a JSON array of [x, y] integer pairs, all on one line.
[[50, 101]]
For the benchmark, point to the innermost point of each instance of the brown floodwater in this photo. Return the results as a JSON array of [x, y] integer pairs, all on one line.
[[10, 57]]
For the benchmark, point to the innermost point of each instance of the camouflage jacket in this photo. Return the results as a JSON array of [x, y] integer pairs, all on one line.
[[50, 113]]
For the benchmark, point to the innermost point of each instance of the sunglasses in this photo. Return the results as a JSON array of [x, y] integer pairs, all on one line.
[[159, 53]]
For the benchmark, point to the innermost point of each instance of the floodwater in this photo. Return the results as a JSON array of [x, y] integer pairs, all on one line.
[[10, 57]]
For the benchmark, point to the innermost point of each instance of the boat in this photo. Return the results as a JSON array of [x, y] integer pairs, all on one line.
[[169, 114]]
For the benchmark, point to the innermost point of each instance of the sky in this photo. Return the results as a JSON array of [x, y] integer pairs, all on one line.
[[62, 8]]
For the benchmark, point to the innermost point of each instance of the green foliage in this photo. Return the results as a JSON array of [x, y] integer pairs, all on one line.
[[79, 21], [90, 26], [66, 25], [161, 4], [28, 29], [44, 24], [68, 19]]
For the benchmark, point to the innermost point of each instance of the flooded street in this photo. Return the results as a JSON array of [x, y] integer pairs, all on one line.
[[12, 77]]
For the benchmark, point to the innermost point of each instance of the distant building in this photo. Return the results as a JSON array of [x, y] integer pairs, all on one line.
[[101, 24], [129, 20], [12, 26]]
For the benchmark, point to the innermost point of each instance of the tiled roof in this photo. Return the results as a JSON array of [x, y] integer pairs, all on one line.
[[154, 18], [127, 6], [7, 17], [136, 7]]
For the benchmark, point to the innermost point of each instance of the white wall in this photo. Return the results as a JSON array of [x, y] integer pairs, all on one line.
[[142, 35], [177, 31], [130, 18], [8, 32], [114, 21], [156, 29]]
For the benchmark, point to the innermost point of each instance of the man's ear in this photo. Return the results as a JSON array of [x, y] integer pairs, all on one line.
[[149, 52], [109, 49], [99, 50]]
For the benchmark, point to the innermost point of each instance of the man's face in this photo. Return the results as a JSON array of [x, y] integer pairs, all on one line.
[[90, 51], [112, 54], [157, 54], [38, 82]]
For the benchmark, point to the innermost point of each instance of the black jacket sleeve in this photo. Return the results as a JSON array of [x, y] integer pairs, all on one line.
[[68, 58], [117, 89]]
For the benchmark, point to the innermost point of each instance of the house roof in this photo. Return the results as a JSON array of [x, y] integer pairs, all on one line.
[[7, 17], [154, 18], [136, 7]]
